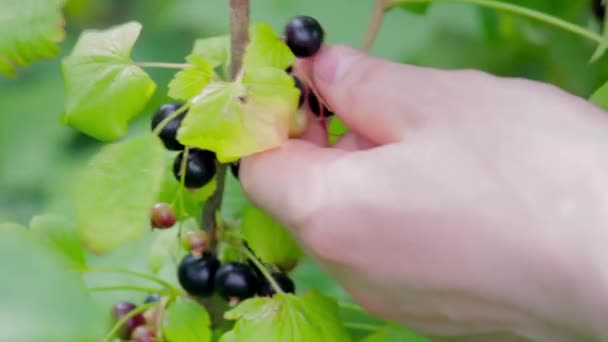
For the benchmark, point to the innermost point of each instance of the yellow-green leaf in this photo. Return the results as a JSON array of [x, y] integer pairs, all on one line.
[[190, 81], [267, 49]]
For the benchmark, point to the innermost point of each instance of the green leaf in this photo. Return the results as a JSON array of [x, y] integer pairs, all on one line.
[[415, 8], [61, 235], [603, 45], [41, 301], [269, 240], [190, 81], [105, 90], [600, 97], [239, 119], [285, 317], [395, 333], [116, 191], [214, 49], [187, 321], [29, 30], [166, 246], [266, 49]]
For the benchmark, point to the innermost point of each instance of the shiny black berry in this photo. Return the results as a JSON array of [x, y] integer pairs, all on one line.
[[265, 289], [599, 10], [119, 311], [169, 132], [234, 168], [152, 298], [301, 88], [200, 168], [236, 280], [316, 108], [304, 36], [196, 274]]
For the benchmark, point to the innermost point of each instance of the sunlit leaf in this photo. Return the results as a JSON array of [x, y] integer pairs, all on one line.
[[187, 321], [287, 318], [61, 235], [270, 241], [29, 30], [116, 191], [267, 49], [214, 49], [190, 81], [105, 90], [239, 119], [600, 97]]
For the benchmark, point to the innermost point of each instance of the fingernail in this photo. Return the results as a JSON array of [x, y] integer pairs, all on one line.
[[332, 63]]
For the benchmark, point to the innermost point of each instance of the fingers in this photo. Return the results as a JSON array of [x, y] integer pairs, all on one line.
[[353, 142], [288, 182], [381, 100]]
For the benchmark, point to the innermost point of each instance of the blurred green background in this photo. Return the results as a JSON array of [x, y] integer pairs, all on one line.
[[39, 156]]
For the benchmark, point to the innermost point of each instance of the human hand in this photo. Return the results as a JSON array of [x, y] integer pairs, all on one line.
[[461, 204]]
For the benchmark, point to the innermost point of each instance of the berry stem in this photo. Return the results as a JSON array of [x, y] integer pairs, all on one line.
[[124, 288], [140, 309], [239, 33], [155, 279], [173, 115], [262, 268], [351, 307], [375, 22], [162, 65], [514, 9]]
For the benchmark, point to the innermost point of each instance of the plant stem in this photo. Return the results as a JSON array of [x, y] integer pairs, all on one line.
[[362, 326], [262, 269], [166, 120], [122, 321], [162, 65], [239, 33], [375, 22], [514, 9], [124, 288], [155, 279]]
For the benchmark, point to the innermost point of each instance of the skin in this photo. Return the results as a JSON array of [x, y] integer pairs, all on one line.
[[463, 205]]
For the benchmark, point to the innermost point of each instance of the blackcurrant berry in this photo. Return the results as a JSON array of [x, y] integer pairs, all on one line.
[[200, 168], [234, 168], [265, 289], [316, 108], [196, 274], [143, 334], [169, 132], [195, 241], [153, 298], [301, 88], [162, 216], [304, 36], [236, 280], [599, 10], [119, 311]]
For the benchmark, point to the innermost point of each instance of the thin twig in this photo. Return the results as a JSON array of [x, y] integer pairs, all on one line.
[[239, 33], [375, 22], [277, 288], [139, 310]]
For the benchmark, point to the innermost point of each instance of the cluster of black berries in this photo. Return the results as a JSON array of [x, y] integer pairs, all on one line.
[[200, 164], [203, 275], [304, 36], [141, 327]]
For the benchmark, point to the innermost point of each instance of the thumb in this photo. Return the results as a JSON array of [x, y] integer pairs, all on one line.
[[379, 99], [289, 182]]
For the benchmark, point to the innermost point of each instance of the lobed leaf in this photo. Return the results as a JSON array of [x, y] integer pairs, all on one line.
[[116, 191], [105, 90], [187, 321], [286, 317], [214, 49], [266, 49], [30, 30], [190, 82], [269, 240]]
